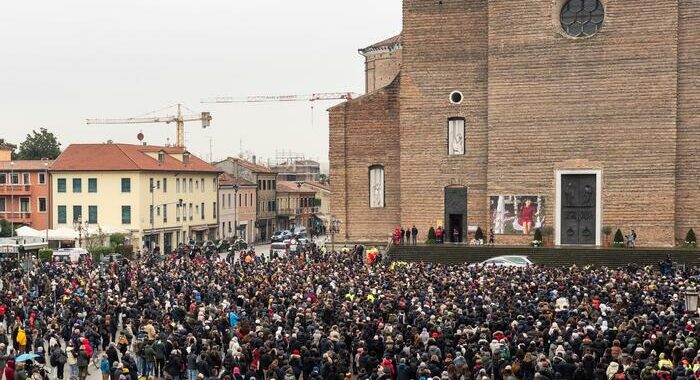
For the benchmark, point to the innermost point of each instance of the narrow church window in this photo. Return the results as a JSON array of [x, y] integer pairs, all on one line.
[[376, 186], [455, 136], [582, 18]]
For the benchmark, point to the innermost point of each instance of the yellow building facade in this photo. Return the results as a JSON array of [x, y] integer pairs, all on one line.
[[170, 197]]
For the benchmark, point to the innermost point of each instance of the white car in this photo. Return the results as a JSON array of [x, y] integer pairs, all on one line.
[[506, 261]]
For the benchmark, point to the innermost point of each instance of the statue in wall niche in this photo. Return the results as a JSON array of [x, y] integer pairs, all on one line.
[[376, 188], [456, 137], [458, 142]]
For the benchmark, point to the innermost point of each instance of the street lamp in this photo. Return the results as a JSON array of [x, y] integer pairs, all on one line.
[[48, 208], [691, 301], [12, 198], [235, 211], [79, 226], [299, 183], [152, 186], [334, 228]]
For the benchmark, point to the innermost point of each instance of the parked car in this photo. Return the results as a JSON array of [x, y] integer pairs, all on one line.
[[299, 232], [114, 257], [281, 236], [240, 245], [505, 261]]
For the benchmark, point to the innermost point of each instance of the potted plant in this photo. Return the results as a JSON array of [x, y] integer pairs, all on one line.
[[479, 236], [431, 236], [548, 232], [537, 239], [691, 241], [619, 239], [606, 230]]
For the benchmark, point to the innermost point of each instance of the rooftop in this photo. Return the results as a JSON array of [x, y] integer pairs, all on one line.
[[255, 168], [291, 187], [26, 165], [388, 44], [127, 157], [318, 185], [226, 179]]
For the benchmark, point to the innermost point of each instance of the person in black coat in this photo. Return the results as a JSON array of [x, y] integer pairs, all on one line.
[[203, 366], [112, 353], [173, 366]]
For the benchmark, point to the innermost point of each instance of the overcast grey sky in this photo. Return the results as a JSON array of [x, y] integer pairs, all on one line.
[[64, 61]]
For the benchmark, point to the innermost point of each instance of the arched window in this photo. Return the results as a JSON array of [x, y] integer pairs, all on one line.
[[582, 18], [376, 186], [455, 136]]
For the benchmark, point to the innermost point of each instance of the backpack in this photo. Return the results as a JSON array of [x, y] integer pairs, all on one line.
[[61, 358]]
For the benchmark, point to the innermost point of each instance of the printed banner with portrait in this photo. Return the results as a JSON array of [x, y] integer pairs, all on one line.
[[516, 214]]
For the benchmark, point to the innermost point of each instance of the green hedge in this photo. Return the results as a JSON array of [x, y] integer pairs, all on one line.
[[125, 250], [45, 255], [101, 251], [117, 239]]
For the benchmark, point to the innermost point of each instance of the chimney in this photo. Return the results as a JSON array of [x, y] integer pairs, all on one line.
[[254, 161], [186, 157]]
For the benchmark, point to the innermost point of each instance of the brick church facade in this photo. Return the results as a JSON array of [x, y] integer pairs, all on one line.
[[513, 115]]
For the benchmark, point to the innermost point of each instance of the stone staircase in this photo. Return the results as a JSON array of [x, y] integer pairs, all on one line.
[[549, 256]]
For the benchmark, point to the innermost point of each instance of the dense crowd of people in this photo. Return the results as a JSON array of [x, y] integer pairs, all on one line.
[[334, 316]]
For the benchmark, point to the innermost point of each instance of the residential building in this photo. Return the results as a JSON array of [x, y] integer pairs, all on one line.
[[322, 205], [237, 207], [265, 194], [24, 190], [295, 205], [572, 115], [163, 195], [298, 170]]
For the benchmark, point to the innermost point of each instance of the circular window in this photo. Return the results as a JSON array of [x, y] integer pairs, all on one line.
[[581, 18], [456, 97]]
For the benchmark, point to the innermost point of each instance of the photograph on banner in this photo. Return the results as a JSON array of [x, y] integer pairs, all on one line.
[[516, 214]]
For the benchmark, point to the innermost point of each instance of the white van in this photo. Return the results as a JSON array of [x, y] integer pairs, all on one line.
[[68, 255], [279, 250]]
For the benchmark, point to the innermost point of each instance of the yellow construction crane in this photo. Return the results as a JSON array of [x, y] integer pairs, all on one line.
[[179, 119]]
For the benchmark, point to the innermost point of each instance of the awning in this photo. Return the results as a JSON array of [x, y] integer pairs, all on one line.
[[107, 230], [62, 233], [28, 231]]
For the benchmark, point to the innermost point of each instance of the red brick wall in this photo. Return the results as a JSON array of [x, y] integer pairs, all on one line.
[[364, 132], [688, 130], [610, 98], [444, 49], [624, 101], [381, 68]]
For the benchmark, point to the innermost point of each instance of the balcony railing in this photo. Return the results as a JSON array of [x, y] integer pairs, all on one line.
[[297, 211], [7, 189], [16, 216]]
